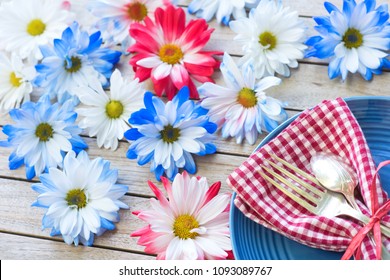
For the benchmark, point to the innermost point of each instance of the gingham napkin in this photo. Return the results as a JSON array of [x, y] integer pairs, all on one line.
[[329, 127]]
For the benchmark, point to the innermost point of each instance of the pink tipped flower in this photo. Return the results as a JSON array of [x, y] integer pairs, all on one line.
[[191, 224], [169, 51]]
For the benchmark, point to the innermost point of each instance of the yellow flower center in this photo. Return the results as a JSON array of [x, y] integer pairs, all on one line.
[[170, 134], [247, 98], [76, 197], [268, 39], [183, 225], [352, 38], [44, 132], [75, 64], [15, 81], [36, 27], [137, 11], [170, 54], [114, 109]]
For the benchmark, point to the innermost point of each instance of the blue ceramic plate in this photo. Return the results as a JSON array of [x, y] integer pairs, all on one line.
[[252, 241]]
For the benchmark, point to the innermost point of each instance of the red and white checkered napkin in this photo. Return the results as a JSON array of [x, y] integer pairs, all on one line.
[[329, 127]]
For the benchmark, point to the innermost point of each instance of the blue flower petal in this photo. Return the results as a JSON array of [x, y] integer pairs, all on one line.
[[330, 7], [5, 144], [158, 172], [78, 144], [348, 7], [182, 96], [131, 154], [334, 68], [142, 160], [37, 204], [148, 101], [142, 116], [60, 49], [55, 232], [313, 40], [210, 148], [9, 130], [370, 5], [48, 223], [190, 165], [67, 35], [15, 162], [133, 134], [211, 127], [30, 172], [368, 75], [106, 224]]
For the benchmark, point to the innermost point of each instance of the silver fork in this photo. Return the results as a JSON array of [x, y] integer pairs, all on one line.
[[318, 200]]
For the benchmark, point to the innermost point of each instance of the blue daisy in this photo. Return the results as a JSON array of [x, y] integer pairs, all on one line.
[[82, 199], [41, 134], [168, 134], [77, 59], [355, 39]]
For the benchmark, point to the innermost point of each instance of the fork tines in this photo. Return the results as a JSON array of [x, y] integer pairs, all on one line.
[[304, 189]]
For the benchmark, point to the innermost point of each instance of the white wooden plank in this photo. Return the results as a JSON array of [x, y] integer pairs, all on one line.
[[18, 217], [17, 247], [304, 8]]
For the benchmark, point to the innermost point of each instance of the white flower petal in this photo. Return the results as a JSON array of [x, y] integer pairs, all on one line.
[[150, 62], [161, 71], [104, 204], [210, 247], [352, 60], [189, 145], [212, 209], [175, 249]]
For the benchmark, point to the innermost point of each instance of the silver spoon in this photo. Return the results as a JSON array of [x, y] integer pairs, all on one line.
[[336, 175]]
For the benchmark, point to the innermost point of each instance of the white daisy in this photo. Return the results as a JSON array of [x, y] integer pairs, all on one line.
[[82, 200], [26, 24], [83, 15], [15, 81], [106, 115], [242, 108], [222, 9], [115, 17], [272, 38], [193, 223]]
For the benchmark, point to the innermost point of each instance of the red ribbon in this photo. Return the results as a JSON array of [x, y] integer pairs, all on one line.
[[373, 224]]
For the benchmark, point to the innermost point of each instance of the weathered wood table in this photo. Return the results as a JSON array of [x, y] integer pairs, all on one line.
[[21, 236]]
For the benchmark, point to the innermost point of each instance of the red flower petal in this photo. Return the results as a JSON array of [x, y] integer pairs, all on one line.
[[170, 28], [199, 69], [172, 20], [143, 73]]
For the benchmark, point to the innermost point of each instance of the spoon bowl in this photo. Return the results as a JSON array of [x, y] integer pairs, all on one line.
[[335, 174]]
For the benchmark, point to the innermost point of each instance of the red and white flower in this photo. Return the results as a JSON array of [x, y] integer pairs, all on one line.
[[191, 224], [169, 51]]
